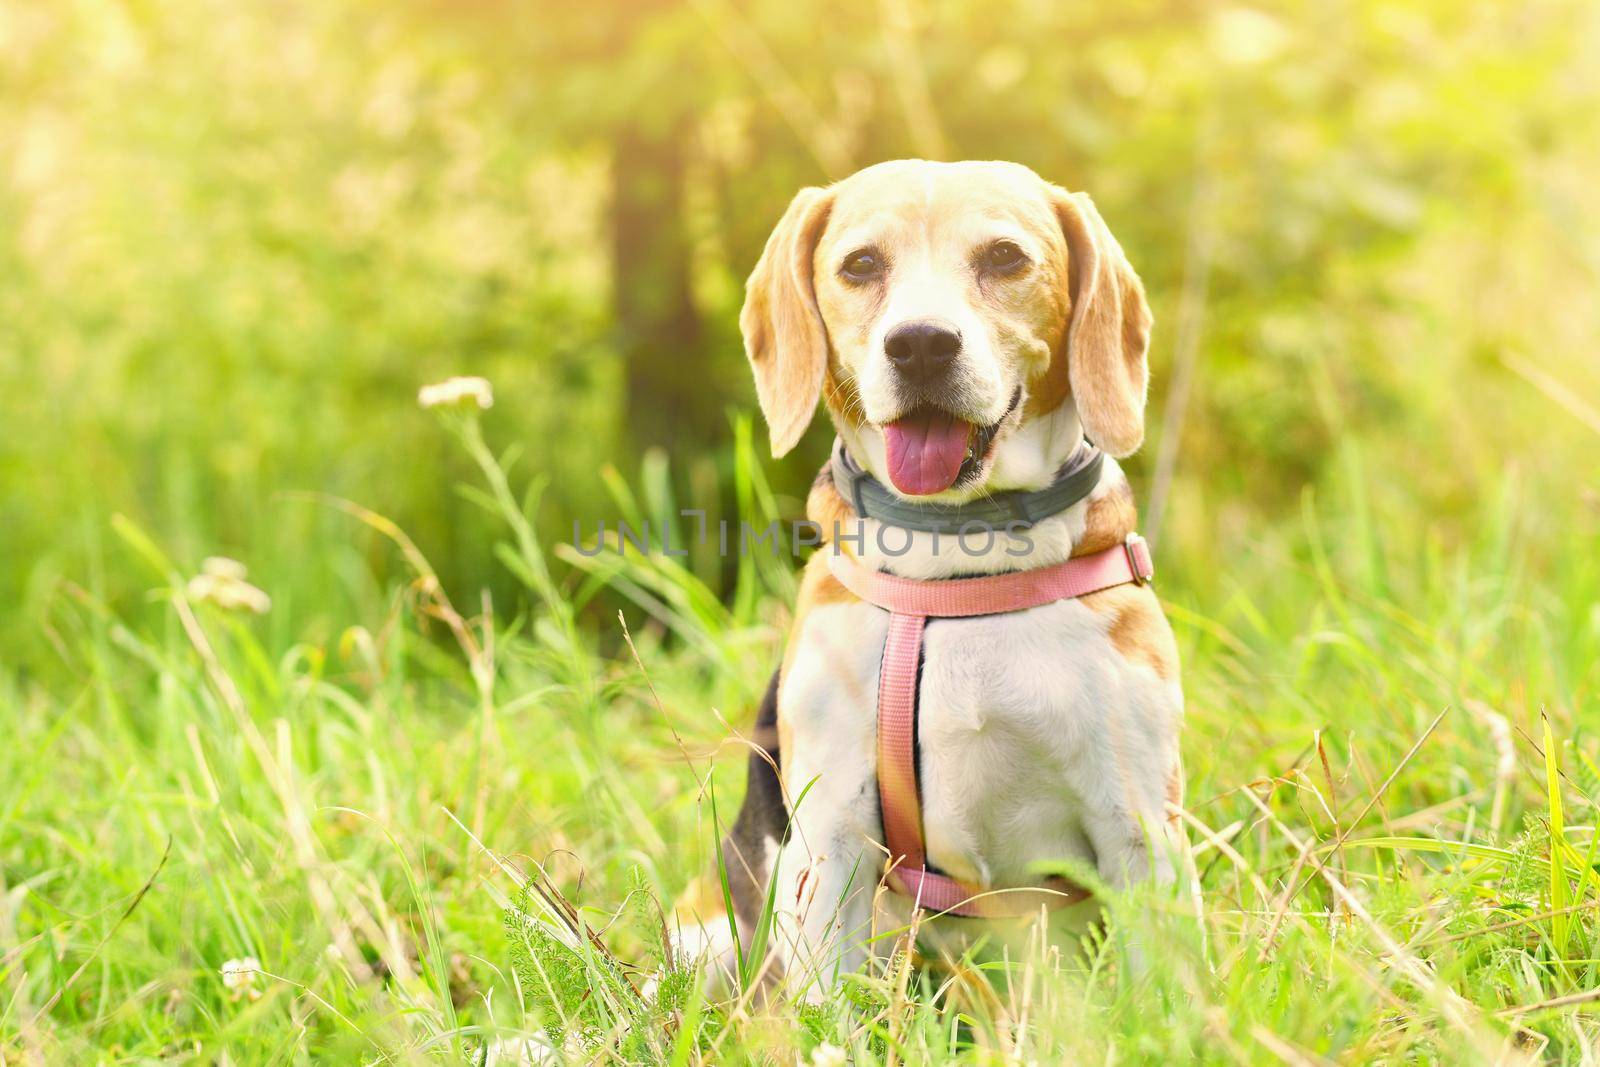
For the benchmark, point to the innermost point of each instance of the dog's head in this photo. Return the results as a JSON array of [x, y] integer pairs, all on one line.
[[966, 323]]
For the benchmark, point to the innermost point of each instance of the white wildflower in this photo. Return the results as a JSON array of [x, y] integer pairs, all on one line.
[[516, 1052], [223, 567], [221, 582], [457, 392], [826, 1055], [239, 976], [1505, 764]]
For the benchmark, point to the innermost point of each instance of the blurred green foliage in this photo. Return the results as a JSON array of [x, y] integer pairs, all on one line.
[[234, 240]]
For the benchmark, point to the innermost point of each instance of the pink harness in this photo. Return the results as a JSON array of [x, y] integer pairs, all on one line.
[[911, 603]]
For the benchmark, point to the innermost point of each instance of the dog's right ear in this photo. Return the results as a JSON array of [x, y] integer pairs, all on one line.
[[784, 335]]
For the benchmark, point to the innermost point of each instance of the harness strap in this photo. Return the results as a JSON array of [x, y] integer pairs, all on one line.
[[996, 594], [910, 604]]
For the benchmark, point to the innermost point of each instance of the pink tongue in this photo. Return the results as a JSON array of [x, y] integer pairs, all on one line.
[[925, 451]]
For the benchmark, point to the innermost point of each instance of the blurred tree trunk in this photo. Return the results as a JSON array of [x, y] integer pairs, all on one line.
[[672, 396]]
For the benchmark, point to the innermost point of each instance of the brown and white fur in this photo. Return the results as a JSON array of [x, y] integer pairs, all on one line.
[[1044, 734]]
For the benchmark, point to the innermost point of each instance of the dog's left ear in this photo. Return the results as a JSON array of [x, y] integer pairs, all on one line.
[[1108, 336], [784, 335]]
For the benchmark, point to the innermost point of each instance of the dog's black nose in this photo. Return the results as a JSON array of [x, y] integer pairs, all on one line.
[[922, 350]]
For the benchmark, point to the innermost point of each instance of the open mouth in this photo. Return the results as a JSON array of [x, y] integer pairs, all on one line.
[[930, 450]]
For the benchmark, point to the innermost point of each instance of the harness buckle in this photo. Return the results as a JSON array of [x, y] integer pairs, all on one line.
[[1140, 563]]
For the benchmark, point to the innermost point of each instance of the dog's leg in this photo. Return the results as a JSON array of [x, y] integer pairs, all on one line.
[[1132, 844], [828, 868], [828, 871], [827, 880], [1131, 847]]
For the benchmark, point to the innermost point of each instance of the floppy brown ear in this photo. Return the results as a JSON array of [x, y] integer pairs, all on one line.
[[784, 335], [1108, 336]]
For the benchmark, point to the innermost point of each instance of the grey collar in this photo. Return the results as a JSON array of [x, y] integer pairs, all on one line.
[[873, 500]]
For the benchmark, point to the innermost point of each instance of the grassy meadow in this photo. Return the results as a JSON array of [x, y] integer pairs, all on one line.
[[419, 783]]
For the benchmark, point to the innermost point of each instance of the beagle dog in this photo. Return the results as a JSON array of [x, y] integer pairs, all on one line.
[[979, 339]]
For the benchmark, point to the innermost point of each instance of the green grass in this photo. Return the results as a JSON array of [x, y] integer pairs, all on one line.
[[235, 238], [453, 823]]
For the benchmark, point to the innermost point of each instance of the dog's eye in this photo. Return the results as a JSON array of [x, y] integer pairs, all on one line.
[[1004, 256], [861, 265]]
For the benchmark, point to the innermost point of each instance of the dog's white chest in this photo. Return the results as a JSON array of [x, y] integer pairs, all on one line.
[[1037, 738]]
